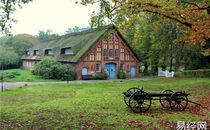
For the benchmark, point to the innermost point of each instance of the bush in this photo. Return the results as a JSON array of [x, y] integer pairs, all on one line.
[[9, 75], [121, 75], [51, 69], [100, 76], [194, 73]]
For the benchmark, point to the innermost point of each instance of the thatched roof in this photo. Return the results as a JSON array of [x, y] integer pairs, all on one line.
[[79, 42]]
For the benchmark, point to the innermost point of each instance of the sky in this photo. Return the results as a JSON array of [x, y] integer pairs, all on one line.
[[57, 15]]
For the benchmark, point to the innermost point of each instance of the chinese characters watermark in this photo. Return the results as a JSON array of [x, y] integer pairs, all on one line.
[[181, 125]]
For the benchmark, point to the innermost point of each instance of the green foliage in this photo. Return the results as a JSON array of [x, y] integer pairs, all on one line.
[[22, 42], [42, 35], [75, 29], [13, 48], [121, 75], [51, 69], [8, 59], [25, 76], [99, 76], [9, 75], [194, 73]]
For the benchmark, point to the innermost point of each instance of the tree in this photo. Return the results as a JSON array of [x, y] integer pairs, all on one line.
[[23, 42], [6, 9], [42, 35], [191, 15], [19, 43], [155, 42], [75, 29], [8, 59]]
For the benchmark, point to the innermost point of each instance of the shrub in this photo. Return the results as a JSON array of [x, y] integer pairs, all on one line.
[[141, 75], [51, 69], [9, 75], [99, 76], [194, 73], [121, 75]]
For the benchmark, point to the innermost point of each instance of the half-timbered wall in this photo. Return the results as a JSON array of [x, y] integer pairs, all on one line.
[[111, 51]]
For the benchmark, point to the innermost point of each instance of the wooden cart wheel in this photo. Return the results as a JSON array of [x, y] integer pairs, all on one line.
[[140, 102], [164, 101], [130, 92], [178, 101]]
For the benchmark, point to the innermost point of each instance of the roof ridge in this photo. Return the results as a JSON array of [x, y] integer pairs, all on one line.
[[76, 33]]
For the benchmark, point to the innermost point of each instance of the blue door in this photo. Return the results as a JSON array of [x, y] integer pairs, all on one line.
[[110, 69], [132, 72], [84, 71]]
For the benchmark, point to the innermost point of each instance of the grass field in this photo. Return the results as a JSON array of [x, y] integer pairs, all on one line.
[[98, 105], [25, 76]]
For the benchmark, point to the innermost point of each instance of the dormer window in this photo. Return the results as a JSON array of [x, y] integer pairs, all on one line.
[[27, 53], [48, 52], [36, 52], [67, 51]]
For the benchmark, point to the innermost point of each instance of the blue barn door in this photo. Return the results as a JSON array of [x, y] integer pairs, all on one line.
[[84, 71], [132, 72], [110, 69]]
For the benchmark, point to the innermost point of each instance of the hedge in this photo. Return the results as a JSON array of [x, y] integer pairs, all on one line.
[[194, 73]]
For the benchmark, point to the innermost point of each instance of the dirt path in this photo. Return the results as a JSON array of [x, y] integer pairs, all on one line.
[[8, 85]]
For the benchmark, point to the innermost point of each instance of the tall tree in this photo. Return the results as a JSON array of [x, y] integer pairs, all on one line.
[[189, 14]]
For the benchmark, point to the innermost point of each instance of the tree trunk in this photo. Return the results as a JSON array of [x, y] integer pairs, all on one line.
[[145, 68], [171, 56]]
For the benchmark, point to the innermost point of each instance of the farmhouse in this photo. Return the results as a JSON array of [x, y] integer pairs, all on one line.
[[89, 52]]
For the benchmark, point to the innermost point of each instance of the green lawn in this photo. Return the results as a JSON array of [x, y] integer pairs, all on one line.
[[98, 105], [25, 76]]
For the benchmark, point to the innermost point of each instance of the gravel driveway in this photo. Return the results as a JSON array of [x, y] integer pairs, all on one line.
[[10, 85]]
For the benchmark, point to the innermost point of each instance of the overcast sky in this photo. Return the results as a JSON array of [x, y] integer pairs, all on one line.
[[56, 15]]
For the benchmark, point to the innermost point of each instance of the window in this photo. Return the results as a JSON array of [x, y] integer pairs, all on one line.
[[116, 46], [67, 51], [127, 57], [122, 50], [49, 52], [111, 53], [122, 56], [122, 53], [105, 53], [91, 57], [36, 52], [111, 35], [27, 53], [98, 67], [105, 45], [116, 52], [98, 56], [99, 49], [121, 67]]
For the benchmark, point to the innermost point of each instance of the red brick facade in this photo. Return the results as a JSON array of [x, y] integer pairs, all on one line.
[[96, 56]]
